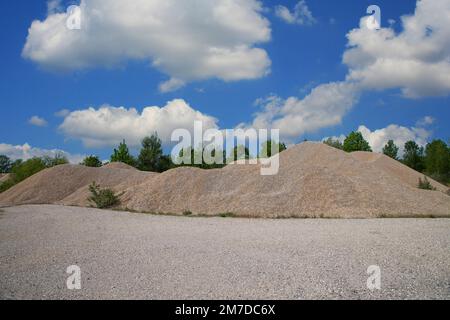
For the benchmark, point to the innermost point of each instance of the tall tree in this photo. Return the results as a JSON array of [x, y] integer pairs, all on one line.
[[5, 164], [391, 150], [271, 148], [151, 154], [437, 160], [356, 142], [413, 156], [122, 154]]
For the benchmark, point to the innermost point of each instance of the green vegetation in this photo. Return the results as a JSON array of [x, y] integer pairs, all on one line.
[[425, 184], [391, 150], [414, 156], [5, 164], [437, 161], [227, 215], [356, 142], [335, 143], [21, 170], [122, 154], [268, 146], [103, 198], [92, 161]]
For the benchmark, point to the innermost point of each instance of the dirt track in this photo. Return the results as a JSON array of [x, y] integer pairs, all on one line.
[[125, 255]]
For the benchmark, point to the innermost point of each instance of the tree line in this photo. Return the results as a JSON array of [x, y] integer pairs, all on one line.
[[432, 160], [152, 158]]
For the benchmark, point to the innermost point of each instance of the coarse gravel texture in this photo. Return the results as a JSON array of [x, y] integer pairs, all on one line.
[[136, 256], [314, 180]]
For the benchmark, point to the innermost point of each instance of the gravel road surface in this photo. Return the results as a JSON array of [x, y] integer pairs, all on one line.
[[136, 256]]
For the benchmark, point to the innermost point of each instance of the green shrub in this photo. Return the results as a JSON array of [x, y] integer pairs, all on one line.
[[8, 184], [92, 161], [103, 198], [425, 184]]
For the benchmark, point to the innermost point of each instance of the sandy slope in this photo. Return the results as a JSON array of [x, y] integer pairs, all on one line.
[[314, 181]]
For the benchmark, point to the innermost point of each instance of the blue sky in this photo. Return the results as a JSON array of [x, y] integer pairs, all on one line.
[[303, 56]]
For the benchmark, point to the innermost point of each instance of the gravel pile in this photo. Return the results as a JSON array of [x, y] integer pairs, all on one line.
[[314, 181]]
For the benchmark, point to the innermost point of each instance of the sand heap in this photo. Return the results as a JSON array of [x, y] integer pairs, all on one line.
[[314, 181]]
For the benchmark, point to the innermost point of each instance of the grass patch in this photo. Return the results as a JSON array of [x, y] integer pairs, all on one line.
[[187, 213], [425, 184]]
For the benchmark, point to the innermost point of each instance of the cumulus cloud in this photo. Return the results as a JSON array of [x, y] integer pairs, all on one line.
[[325, 106], [416, 60], [26, 152], [378, 138], [108, 125], [300, 15], [37, 121], [187, 40]]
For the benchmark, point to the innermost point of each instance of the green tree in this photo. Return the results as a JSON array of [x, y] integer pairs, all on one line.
[[335, 143], [268, 146], [151, 153], [122, 154], [5, 164], [437, 160], [413, 156], [28, 168], [92, 161], [57, 160], [391, 150], [356, 142]]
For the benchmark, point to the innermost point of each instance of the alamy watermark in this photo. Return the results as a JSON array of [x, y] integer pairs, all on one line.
[[374, 20], [74, 280], [73, 21], [374, 280], [213, 144]]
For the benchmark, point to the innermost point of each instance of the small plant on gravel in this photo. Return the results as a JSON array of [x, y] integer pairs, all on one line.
[[187, 213], [425, 184], [103, 198], [226, 215]]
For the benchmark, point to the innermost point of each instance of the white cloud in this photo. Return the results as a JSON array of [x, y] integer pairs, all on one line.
[[37, 121], [108, 125], [171, 85], [187, 40], [301, 14], [26, 152], [325, 106], [54, 6], [378, 138], [416, 60], [426, 121], [62, 113]]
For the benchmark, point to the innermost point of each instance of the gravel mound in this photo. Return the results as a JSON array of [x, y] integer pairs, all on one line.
[[118, 165], [314, 181]]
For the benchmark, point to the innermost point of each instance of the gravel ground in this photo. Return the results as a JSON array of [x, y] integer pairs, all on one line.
[[136, 256]]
